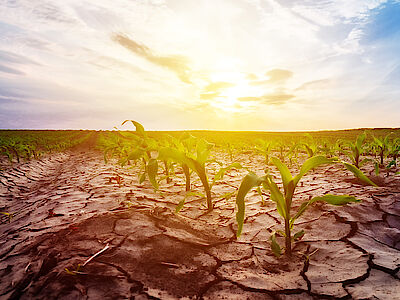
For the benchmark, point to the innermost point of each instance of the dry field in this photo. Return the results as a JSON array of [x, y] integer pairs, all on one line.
[[65, 207]]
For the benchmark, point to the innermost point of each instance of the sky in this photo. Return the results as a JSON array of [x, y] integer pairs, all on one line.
[[200, 64]]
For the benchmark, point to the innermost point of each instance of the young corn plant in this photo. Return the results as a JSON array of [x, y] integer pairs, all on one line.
[[196, 162], [310, 145], [327, 149], [382, 145], [394, 151], [142, 149], [357, 150], [264, 147], [293, 154], [283, 199]]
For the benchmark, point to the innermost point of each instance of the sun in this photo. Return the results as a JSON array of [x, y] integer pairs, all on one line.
[[229, 99]]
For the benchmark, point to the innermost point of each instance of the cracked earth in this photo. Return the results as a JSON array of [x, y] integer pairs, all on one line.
[[69, 206]]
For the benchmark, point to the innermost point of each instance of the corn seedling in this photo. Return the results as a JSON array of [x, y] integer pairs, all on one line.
[[264, 147], [310, 146], [357, 150], [196, 162], [283, 200], [394, 151], [382, 146], [142, 149]]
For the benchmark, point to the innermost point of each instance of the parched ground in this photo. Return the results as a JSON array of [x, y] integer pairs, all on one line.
[[67, 207]]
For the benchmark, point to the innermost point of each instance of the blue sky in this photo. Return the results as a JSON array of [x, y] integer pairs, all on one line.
[[183, 64]]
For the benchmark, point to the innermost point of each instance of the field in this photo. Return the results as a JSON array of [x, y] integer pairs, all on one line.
[[200, 215]]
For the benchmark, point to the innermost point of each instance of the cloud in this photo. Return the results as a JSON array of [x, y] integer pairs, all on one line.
[[275, 76], [217, 86], [251, 76], [8, 58], [277, 98], [10, 70], [8, 92], [278, 75], [175, 63], [332, 12], [315, 84], [209, 96], [214, 89]]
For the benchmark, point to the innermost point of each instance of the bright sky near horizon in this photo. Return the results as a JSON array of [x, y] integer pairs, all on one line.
[[200, 64]]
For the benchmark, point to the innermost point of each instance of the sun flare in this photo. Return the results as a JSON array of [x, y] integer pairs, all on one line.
[[229, 98]]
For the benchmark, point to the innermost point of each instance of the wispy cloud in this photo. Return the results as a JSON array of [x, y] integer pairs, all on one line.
[[10, 70], [209, 96], [279, 75], [315, 84], [175, 63], [273, 77], [217, 86], [269, 99]]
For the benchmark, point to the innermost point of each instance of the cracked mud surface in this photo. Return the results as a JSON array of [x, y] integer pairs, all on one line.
[[69, 206]]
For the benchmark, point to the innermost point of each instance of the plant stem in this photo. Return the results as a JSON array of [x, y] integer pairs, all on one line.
[[187, 176], [288, 239], [209, 201], [167, 172]]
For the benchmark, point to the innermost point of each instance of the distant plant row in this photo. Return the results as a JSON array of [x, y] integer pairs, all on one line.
[[18, 145]]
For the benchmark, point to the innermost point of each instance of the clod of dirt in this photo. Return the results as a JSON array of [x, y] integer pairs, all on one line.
[[228, 291], [333, 263], [381, 232], [379, 285], [232, 251], [324, 228], [383, 255], [264, 272]]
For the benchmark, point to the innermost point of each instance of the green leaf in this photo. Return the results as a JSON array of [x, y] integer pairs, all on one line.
[[328, 198], [378, 142], [289, 195], [335, 199], [276, 249], [249, 181], [220, 174], [203, 150], [310, 152], [310, 164], [168, 153], [358, 173], [360, 140], [276, 195], [376, 167], [136, 154], [364, 161], [298, 235], [200, 171], [260, 194], [227, 196], [152, 170], [284, 170], [391, 164], [139, 127], [142, 177], [180, 205]]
